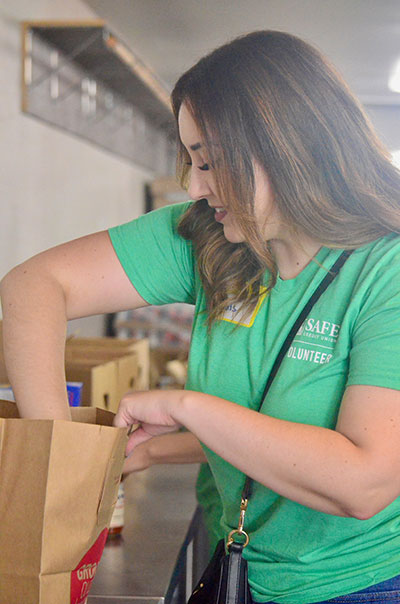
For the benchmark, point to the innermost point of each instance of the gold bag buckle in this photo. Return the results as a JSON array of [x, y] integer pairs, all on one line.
[[239, 530]]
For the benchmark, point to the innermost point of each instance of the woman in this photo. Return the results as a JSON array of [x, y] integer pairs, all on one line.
[[286, 173]]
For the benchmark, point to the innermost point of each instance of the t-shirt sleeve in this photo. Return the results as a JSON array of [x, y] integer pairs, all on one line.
[[375, 351], [158, 261]]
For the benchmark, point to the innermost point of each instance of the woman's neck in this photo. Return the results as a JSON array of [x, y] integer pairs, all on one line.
[[292, 256]]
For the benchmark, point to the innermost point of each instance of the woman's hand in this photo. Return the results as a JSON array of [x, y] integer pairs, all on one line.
[[154, 411], [139, 460], [172, 448]]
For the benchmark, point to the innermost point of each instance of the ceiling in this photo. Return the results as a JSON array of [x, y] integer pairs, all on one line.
[[361, 37]]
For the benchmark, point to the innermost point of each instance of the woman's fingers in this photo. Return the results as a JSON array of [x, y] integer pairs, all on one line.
[[136, 438], [139, 460], [151, 410], [124, 417]]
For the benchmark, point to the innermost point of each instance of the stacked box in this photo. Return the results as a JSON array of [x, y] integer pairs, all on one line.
[[106, 375], [115, 346], [99, 381]]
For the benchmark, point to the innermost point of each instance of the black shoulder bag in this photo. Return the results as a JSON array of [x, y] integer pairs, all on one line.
[[225, 581]]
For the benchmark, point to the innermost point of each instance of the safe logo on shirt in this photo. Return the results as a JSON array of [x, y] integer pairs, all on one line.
[[320, 338]]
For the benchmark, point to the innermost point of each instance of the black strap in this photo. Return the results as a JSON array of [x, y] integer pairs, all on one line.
[[247, 490]]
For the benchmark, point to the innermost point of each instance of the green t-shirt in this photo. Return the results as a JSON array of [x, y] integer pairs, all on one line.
[[296, 555]]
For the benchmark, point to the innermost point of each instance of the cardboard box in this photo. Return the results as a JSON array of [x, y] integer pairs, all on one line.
[[126, 366], [99, 379], [128, 346]]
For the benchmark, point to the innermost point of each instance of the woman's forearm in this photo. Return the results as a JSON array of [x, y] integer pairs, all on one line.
[[76, 279], [313, 466], [179, 447], [34, 328], [316, 467], [175, 448]]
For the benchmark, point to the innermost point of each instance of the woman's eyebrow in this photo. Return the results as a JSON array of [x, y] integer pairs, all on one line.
[[195, 147]]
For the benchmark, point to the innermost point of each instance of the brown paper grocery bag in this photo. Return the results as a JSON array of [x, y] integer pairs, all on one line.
[[58, 486]]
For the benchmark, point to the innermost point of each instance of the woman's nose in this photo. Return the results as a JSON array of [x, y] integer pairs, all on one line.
[[198, 186]]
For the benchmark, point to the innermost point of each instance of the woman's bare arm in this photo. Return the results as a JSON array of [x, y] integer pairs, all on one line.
[[77, 279], [351, 471], [178, 447]]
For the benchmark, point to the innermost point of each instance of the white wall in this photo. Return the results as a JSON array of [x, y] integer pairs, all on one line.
[[53, 185]]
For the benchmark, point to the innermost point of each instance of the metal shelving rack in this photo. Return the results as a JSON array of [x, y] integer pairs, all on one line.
[[80, 77]]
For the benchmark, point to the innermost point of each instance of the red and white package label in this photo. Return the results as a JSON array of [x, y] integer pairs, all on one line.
[[83, 575]]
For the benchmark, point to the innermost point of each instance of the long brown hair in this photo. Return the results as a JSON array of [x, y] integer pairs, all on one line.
[[270, 97]]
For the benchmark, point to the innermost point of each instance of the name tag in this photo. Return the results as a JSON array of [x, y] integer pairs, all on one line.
[[234, 313]]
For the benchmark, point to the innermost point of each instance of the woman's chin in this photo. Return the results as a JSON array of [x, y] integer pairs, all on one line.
[[233, 235]]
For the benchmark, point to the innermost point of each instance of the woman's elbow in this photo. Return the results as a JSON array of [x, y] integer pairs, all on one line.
[[369, 504], [8, 281]]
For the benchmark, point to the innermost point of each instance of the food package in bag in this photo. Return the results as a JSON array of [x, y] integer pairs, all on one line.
[[58, 487]]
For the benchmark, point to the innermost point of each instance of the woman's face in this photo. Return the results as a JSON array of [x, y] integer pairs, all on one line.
[[202, 186]]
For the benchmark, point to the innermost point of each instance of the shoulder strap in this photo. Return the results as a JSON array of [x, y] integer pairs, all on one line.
[[329, 277]]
